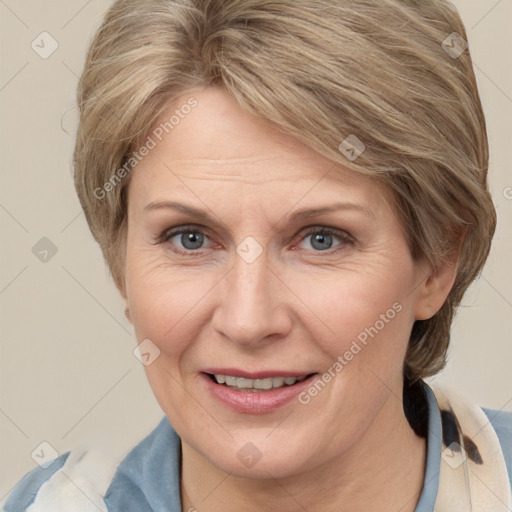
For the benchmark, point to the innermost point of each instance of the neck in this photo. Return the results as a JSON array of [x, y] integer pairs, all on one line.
[[386, 467]]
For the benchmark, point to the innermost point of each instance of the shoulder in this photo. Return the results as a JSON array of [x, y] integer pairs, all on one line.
[[501, 421], [26, 490], [74, 482], [148, 478], [85, 478]]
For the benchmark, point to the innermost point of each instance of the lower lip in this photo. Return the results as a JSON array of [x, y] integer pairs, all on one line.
[[255, 402]]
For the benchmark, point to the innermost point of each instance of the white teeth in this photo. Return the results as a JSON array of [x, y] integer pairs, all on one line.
[[230, 381], [254, 384], [243, 383], [261, 383]]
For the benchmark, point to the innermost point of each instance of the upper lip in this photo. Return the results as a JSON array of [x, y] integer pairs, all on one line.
[[236, 372]]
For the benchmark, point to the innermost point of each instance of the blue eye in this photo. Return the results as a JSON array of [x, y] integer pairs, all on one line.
[[190, 240], [321, 239]]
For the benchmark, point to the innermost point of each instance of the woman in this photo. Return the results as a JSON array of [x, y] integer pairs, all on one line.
[[292, 200]]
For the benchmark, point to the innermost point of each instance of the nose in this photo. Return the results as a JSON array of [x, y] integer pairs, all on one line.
[[252, 307]]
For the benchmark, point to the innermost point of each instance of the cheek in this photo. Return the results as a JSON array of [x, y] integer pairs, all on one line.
[[166, 305], [364, 303]]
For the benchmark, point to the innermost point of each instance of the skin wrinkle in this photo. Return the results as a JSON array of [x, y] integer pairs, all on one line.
[[426, 149], [289, 309]]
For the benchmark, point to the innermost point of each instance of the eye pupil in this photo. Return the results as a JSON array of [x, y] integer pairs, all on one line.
[[193, 238], [324, 240]]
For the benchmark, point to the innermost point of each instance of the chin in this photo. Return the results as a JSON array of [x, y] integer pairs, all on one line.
[[258, 457], [274, 467]]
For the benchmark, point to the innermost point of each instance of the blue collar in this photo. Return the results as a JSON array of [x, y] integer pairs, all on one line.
[[148, 479], [428, 495]]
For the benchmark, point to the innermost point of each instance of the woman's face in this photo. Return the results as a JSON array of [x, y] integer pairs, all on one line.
[[251, 288]]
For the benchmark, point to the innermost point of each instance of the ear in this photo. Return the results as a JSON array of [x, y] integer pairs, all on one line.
[[120, 285], [434, 289]]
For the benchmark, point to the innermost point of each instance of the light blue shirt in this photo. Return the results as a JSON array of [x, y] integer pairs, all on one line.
[[148, 478]]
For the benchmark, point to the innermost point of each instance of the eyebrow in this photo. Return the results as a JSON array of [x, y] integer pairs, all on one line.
[[297, 216]]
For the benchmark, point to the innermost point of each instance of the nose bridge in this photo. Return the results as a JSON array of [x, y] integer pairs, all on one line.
[[248, 307], [250, 288]]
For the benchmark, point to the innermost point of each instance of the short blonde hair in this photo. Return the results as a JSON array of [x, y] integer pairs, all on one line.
[[390, 74]]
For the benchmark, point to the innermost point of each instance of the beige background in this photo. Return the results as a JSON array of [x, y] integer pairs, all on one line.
[[67, 367]]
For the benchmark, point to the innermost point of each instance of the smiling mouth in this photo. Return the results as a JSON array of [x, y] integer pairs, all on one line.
[[256, 385]]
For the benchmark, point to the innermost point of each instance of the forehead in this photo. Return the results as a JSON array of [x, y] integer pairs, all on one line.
[[219, 145]]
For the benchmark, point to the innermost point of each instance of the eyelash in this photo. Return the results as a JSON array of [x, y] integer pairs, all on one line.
[[343, 236]]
